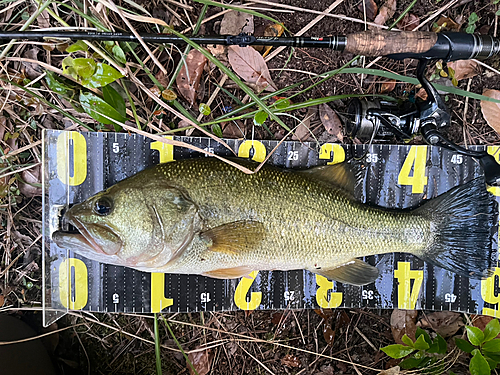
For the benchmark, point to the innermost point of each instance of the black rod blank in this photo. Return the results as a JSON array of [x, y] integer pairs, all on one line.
[[334, 42]]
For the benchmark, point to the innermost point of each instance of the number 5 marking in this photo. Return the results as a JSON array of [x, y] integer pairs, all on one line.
[[416, 158]]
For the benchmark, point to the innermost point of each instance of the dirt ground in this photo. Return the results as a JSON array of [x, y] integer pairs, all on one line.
[[277, 342]]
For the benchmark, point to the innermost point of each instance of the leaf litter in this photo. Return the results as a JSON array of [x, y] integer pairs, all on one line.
[[464, 69], [251, 67], [403, 322], [201, 361], [234, 23], [331, 122], [491, 110], [188, 80], [370, 7], [386, 12]]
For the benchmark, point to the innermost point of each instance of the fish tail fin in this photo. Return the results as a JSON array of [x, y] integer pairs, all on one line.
[[464, 227]]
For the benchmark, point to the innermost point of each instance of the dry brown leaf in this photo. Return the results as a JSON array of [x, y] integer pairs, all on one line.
[[409, 22], [392, 371], [162, 79], [250, 65], [387, 86], [403, 322], [445, 24], [445, 323], [30, 177], [302, 132], [274, 30], [2, 300], [386, 12], [422, 94], [371, 9], [491, 111], [188, 80], [290, 361], [43, 20], [464, 68], [219, 52], [202, 361], [331, 121], [233, 129], [3, 126], [235, 22], [328, 331]]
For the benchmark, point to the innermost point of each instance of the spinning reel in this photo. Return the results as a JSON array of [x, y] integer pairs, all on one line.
[[369, 119]]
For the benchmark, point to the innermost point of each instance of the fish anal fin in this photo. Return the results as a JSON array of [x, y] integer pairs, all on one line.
[[354, 272], [235, 238], [229, 273]]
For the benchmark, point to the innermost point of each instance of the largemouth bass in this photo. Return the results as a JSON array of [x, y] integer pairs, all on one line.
[[203, 216]]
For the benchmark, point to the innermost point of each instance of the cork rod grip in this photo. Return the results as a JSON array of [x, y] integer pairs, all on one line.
[[382, 43]]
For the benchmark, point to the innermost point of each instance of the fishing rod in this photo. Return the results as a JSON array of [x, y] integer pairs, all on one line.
[[367, 119], [449, 46]]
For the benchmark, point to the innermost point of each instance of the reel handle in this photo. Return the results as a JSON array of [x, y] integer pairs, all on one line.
[[422, 45], [383, 42]]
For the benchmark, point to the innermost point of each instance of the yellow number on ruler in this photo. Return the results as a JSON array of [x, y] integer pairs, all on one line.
[[80, 284], [240, 295], [333, 152], [416, 158], [407, 296], [488, 285], [488, 294], [325, 286], [260, 151], [166, 150], [158, 299], [79, 153], [495, 151]]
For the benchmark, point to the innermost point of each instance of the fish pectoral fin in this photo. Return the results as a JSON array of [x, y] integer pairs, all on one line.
[[229, 273], [235, 238], [354, 272], [344, 175]]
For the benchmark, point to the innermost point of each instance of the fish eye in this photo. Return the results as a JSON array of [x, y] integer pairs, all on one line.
[[103, 206]]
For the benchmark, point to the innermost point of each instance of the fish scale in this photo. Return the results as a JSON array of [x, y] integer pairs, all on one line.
[[203, 216], [306, 222]]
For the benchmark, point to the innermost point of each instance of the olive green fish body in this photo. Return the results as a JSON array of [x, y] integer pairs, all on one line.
[[306, 224], [203, 216]]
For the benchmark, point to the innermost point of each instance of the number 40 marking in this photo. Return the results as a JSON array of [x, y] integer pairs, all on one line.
[[415, 160]]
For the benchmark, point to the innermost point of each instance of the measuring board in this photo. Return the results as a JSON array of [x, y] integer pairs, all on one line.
[[78, 165]]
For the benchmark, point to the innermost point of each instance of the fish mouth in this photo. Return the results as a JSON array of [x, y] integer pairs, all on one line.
[[86, 237], [89, 239]]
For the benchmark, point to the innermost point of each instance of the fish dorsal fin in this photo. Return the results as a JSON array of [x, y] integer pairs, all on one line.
[[229, 273], [354, 272], [344, 175], [235, 238]]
